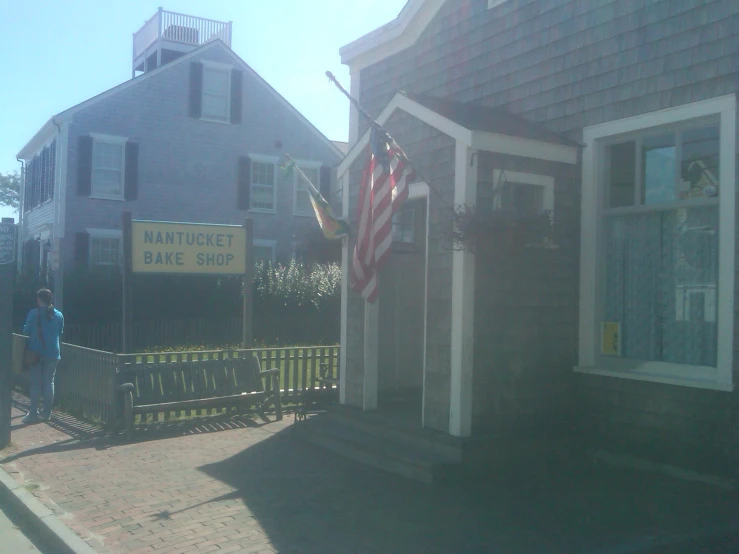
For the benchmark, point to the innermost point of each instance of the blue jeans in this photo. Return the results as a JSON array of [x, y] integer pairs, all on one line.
[[42, 382]]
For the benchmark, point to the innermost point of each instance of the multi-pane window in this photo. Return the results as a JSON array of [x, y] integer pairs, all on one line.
[[404, 224], [216, 89], [262, 186], [661, 244], [302, 191], [105, 250], [107, 168]]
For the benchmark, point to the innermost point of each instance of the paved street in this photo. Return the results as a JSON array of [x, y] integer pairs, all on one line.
[[14, 535], [233, 485]]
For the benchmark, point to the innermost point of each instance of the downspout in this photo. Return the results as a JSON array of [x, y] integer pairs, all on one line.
[[21, 199]]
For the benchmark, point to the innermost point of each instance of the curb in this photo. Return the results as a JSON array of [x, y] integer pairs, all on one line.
[[60, 538]]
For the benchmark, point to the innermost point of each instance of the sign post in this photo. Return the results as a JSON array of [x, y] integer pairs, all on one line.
[[127, 327], [7, 278], [248, 329]]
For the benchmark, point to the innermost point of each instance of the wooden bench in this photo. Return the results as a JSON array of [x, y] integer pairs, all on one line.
[[189, 385]]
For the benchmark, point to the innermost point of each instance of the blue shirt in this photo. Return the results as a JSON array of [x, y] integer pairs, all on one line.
[[52, 330]]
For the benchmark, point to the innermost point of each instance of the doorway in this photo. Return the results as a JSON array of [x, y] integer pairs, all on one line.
[[402, 295]]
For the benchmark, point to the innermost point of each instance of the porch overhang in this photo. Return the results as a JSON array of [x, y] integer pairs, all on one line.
[[559, 150]]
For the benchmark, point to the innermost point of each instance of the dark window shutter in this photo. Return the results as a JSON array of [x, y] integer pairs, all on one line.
[[84, 166], [52, 164], [196, 89], [237, 78], [326, 183], [244, 183], [81, 249], [131, 185]]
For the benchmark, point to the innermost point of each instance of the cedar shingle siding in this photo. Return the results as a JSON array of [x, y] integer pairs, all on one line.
[[565, 64]]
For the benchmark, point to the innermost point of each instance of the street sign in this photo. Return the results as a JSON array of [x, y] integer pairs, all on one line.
[[7, 243]]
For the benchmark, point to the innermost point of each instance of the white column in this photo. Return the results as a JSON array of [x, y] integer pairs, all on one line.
[[371, 345], [463, 303], [353, 113], [344, 186]]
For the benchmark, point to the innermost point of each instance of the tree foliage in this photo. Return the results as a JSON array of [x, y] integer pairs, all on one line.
[[10, 189]]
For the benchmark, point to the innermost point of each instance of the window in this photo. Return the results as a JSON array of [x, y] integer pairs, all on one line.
[[404, 225], [264, 250], [105, 247], [653, 255], [108, 155], [303, 204], [263, 186], [661, 272], [525, 194], [216, 93]]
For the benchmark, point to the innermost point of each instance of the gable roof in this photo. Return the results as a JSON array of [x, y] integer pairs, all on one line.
[[492, 120], [29, 148], [478, 127], [392, 37]]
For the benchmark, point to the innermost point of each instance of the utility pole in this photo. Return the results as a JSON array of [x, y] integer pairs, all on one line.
[[7, 279]]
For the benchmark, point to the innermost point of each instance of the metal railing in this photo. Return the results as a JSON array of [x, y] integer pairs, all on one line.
[[180, 28]]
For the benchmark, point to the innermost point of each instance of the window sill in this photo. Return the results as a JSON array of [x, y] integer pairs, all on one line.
[[221, 121], [262, 211], [668, 374], [107, 197]]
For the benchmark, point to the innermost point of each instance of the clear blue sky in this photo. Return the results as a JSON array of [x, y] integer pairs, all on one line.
[[55, 54]]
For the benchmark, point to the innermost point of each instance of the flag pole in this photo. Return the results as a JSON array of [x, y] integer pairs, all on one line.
[[303, 175], [374, 124]]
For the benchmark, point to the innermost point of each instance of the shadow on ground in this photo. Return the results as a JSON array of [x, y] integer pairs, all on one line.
[[309, 501], [83, 435]]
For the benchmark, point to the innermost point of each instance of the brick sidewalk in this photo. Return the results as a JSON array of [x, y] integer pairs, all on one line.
[[230, 485]]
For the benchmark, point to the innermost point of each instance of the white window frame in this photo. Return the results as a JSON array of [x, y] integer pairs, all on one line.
[[303, 164], [108, 139], [267, 160], [265, 243], [105, 234], [594, 193], [546, 182], [226, 68]]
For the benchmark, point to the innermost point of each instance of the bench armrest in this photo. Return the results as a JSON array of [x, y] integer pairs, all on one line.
[[124, 387], [273, 371]]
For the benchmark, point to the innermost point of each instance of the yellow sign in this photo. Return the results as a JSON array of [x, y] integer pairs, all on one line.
[[160, 247], [610, 338]]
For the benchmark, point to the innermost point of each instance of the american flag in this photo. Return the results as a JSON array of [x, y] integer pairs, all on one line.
[[384, 188]]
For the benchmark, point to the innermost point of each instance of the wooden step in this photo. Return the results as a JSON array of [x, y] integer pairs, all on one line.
[[445, 446], [380, 453]]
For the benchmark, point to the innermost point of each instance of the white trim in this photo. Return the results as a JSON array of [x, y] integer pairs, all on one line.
[[61, 190], [355, 85], [652, 378], [495, 3], [265, 160], [344, 295], [463, 303], [544, 181], [217, 43], [477, 140], [105, 234], [266, 243], [223, 68], [371, 346], [721, 377], [528, 148], [303, 164], [112, 139], [392, 37]]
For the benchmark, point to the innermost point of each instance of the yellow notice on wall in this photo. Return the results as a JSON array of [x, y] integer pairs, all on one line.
[[610, 338], [160, 247]]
